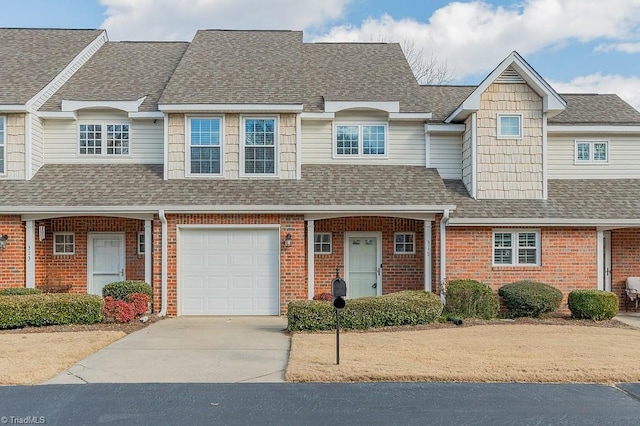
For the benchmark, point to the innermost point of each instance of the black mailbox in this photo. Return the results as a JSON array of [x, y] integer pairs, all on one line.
[[338, 287]]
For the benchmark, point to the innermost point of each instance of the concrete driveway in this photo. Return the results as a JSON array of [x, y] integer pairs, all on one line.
[[190, 350]]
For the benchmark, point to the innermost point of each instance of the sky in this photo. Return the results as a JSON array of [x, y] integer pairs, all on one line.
[[578, 46]]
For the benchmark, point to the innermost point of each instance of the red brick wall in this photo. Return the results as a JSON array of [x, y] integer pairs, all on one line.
[[625, 259], [72, 269], [12, 258], [293, 273], [568, 259], [399, 271]]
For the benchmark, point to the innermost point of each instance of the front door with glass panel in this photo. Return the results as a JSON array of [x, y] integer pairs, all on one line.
[[106, 260], [362, 265]]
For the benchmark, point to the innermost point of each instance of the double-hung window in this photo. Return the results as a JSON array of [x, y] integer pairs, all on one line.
[[358, 140], [592, 152], [509, 126], [516, 248], [104, 139], [205, 146], [260, 146], [3, 144]]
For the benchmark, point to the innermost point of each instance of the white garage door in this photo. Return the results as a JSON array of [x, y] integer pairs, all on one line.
[[229, 271]]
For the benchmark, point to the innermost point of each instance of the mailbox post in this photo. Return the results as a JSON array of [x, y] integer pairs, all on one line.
[[338, 291]]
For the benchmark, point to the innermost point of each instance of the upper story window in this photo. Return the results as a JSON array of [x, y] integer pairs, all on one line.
[[361, 140], [205, 146], [259, 146], [509, 126], [104, 139], [3, 144], [592, 152], [516, 248]]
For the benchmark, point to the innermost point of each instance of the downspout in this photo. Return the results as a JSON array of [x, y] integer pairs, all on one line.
[[443, 256], [163, 263]]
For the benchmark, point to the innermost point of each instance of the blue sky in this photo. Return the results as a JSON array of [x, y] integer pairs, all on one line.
[[577, 45]]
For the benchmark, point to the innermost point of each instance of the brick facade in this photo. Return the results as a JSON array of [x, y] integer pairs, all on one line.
[[293, 271], [625, 260], [399, 271], [568, 259], [12, 258]]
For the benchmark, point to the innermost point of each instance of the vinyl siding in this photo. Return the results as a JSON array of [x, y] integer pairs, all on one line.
[[624, 157], [61, 140], [37, 144], [15, 146], [405, 143], [446, 155], [467, 166]]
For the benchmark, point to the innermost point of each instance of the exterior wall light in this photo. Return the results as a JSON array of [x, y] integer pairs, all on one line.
[[3, 241], [287, 241]]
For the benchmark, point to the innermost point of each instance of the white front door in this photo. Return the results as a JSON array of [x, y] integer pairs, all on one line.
[[363, 256], [105, 260], [607, 260]]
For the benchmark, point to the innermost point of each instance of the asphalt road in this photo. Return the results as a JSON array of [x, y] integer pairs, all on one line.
[[321, 404]]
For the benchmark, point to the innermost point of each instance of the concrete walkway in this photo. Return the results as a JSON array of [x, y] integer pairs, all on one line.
[[190, 349], [630, 317]]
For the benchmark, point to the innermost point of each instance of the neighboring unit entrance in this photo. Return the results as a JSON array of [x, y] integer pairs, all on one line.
[[229, 271], [105, 260], [363, 259]]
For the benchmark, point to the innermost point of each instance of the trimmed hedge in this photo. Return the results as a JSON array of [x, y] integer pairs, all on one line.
[[120, 290], [530, 299], [50, 309], [19, 291], [471, 299], [597, 305], [401, 308]]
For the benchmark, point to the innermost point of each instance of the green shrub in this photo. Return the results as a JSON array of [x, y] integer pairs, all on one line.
[[122, 289], [597, 305], [50, 309], [20, 291], [402, 308], [530, 299], [471, 299]]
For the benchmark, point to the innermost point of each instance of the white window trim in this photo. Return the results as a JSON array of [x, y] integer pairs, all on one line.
[[103, 145], [276, 146], [330, 243], [413, 234], [498, 128], [514, 257], [138, 242], [187, 148], [591, 143], [360, 125], [3, 142], [56, 253]]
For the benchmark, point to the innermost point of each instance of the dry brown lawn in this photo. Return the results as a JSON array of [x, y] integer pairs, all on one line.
[[31, 358], [482, 353]]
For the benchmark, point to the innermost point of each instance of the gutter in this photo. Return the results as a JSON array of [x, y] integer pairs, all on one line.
[[163, 263], [443, 256]]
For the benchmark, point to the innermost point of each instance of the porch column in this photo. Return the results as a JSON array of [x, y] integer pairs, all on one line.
[[310, 258], [148, 257], [30, 271], [427, 256]]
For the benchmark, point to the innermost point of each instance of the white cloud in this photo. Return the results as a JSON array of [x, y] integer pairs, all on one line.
[[179, 19], [630, 48], [628, 88], [474, 36]]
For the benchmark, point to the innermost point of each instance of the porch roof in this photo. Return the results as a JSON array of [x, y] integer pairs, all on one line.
[[570, 201], [105, 188]]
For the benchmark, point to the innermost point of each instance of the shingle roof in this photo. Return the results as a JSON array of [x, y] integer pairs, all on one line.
[[596, 109], [239, 67], [359, 72], [567, 199], [443, 100], [65, 185], [31, 58], [123, 71]]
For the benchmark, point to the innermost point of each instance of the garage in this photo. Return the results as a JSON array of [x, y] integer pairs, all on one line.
[[229, 271]]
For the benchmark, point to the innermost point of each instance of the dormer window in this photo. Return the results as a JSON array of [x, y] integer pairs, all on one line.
[[360, 140], [104, 139], [509, 126]]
